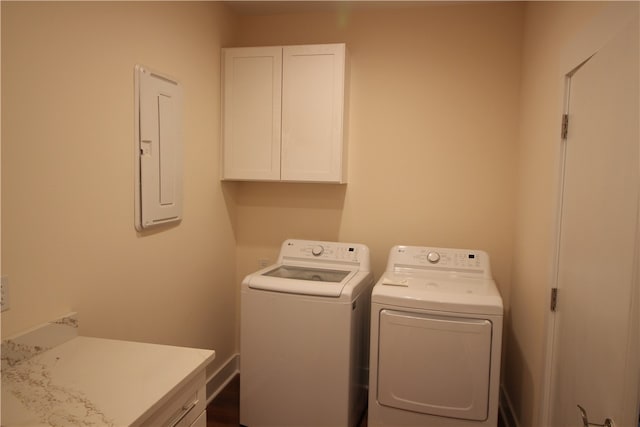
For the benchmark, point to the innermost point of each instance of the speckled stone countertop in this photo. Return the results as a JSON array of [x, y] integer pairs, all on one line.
[[52, 377]]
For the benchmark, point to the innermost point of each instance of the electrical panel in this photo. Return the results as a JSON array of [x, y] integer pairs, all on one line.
[[158, 149]]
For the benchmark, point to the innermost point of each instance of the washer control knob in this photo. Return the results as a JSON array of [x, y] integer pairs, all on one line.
[[433, 257], [317, 250]]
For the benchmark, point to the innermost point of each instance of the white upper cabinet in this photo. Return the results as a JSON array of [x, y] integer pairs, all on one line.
[[283, 113]]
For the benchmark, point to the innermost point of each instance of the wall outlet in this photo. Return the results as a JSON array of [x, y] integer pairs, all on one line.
[[4, 293]]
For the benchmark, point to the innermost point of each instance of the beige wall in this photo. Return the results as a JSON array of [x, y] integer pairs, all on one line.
[[433, 109], [453, 128], [557, 37], [68, 237], [0, 168], [432, 125]]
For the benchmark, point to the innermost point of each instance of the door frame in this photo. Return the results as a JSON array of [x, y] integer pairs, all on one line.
[[588, 42]]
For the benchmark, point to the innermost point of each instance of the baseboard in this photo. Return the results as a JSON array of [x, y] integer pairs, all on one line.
[[220, 378], [506, 409]]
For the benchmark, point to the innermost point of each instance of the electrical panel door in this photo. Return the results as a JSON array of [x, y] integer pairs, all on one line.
[[159, 151]]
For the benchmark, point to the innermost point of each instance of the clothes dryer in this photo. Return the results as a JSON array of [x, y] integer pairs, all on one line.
[[436, 338], [304, 337]]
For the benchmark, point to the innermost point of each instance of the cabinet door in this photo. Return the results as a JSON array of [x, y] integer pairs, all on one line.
[[252, 110], [312, 113]]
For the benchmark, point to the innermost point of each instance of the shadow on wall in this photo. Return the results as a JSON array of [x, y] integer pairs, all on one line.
[[229, 193], [517, 376], [269, 212]]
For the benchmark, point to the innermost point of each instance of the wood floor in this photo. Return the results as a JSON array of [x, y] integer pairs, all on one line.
[[224, 410]]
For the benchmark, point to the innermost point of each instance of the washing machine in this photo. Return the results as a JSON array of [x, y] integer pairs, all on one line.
[[436, 338], [304, 337]]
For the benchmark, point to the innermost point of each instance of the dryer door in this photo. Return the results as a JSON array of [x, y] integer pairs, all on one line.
[[434, 365]]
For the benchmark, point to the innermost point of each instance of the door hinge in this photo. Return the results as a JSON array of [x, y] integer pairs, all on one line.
[[565, 126], [554, 299]]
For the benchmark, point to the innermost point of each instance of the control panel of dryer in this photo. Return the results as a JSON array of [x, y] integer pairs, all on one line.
[[352, 253], [443, 259]]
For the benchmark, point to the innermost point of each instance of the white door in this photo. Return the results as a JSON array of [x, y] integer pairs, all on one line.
[[595, 357]]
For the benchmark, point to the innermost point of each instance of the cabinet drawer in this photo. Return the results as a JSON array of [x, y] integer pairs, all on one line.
[[183, 407], [201, 421]]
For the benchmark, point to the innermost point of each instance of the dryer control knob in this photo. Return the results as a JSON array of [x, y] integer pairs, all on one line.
[[433, 257], [317, 250]]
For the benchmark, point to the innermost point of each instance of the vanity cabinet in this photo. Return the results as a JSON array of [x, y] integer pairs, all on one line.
[[183, 408], [96, 381], [283, 113]]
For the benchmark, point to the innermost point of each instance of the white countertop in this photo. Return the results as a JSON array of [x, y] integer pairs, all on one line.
[[95, 382]]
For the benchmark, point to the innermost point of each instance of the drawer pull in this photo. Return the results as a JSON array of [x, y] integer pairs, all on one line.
[[185, 410]]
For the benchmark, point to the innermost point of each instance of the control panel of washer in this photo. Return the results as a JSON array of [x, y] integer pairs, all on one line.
[[353, 253], [446, 259]]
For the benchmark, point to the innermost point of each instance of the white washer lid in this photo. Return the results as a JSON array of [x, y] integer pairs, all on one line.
[[295, 285], [448, 293]]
